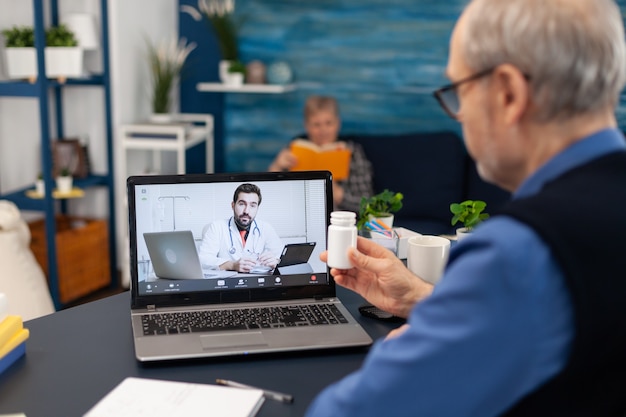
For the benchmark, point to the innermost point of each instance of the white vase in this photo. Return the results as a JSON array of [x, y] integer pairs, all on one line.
[[64, 184], [224, 65], [85, 30]]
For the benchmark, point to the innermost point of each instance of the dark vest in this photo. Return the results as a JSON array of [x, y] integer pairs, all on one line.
[[581, 215]]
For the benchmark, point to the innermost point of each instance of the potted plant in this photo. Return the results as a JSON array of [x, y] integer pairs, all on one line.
[[470, 213], [236, 73], [380, 206], [219, 15], [64, 58], [166, 60], [62, 55], [64, 181], [40, 185]]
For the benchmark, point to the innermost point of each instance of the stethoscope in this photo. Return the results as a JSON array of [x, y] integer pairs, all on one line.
[[232, 249]]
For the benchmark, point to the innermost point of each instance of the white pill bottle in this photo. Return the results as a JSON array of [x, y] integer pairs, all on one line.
[[342, 234]]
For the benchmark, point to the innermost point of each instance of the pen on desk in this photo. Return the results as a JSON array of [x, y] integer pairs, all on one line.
[[381, 224], [376, 226], [272, 395]]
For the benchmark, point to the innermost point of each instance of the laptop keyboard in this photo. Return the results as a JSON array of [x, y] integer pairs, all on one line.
[[241, 319]]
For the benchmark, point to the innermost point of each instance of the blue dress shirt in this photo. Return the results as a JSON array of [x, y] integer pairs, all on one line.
[[498, 324]]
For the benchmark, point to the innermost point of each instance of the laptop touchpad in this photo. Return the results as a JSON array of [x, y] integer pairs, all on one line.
[[214, 341]]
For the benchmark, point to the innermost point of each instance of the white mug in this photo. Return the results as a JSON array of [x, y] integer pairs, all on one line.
[[427, 256]]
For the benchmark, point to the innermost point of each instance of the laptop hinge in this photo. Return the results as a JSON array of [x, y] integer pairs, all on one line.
[[151, 307]]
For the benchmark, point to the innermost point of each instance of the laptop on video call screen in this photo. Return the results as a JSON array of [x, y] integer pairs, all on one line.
[[187, 235]]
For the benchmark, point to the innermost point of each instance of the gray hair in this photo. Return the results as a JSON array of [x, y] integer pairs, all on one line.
[[315, 104], [573, 50]]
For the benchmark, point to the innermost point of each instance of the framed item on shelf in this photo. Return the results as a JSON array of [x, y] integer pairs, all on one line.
[[70, 154]]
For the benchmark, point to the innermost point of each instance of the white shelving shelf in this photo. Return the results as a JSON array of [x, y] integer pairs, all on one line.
[[186, 131], [245, 88]]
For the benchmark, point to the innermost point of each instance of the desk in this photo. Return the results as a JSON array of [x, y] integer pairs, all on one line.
[[75, 357]]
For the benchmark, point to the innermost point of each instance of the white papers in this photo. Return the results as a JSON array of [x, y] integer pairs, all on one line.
[[138, 397]]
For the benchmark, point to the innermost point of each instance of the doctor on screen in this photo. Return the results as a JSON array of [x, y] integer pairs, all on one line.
[[241, 243]]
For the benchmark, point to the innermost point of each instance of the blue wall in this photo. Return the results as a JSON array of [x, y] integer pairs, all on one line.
[[380, 58]]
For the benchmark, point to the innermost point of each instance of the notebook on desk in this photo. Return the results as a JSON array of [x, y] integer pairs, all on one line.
[[239, 314]]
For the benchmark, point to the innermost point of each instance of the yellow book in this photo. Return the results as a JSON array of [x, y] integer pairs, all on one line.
[[13, 342], [9, 327], [334, 157]]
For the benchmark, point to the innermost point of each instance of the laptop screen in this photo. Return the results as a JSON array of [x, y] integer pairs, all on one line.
[[236, 228]]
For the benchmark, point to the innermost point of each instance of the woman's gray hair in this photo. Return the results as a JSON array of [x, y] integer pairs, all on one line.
[[573, 51]]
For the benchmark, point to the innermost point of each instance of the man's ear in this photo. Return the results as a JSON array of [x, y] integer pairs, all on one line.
[[513, 92]]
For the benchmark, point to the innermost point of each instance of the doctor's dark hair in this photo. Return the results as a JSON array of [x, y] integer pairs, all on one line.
[[247, 189]]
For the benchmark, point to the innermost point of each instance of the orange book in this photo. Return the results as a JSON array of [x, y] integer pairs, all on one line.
[[334, 157]]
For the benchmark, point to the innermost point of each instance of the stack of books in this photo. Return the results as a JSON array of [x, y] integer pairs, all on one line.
[[13, 336]]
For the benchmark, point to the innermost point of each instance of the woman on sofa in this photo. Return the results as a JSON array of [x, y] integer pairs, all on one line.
[[322, 124]]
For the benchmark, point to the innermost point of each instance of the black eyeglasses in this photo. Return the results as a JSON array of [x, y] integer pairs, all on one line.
[[448, 97]]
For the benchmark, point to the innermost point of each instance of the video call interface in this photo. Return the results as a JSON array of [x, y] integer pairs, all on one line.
[[203, 218]]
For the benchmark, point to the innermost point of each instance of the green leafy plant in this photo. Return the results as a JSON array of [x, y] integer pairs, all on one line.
[[379, 205], [24, 36], [219, 15], [469, 213], [237, 66], [65, 172], [166, 60], [60, 36], [19, 37]]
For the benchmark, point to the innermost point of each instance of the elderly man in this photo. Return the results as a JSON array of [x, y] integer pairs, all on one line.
[[529, 318]]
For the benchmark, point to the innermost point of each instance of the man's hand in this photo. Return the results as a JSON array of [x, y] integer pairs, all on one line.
[[381, 278], [242, 265], [268, 259]]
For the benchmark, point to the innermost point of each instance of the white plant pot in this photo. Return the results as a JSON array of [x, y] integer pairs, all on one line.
[[21, 62], [40, 187], [388, 220], [64, 184], [161, 118], [462, 233], [60, 62], [64, 62], [234, 79]]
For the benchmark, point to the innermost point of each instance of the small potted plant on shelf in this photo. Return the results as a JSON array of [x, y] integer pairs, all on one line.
[[40, 185], [220, 16], [236, 73], [470, 213], [64, 181], [63, 56], [380, 206]]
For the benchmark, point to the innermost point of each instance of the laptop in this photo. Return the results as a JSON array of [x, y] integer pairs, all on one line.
[[297, 205], [294, 258], [173, 255]]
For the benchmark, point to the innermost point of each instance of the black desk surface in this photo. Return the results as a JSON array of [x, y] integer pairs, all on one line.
[[75, 357]]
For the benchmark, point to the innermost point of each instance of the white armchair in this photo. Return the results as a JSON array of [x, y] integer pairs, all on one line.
[[21, 278]]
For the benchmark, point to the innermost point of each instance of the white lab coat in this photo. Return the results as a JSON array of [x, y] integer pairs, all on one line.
[[221, 242]]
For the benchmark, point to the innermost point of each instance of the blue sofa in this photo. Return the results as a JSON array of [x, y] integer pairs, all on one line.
[[432, 170]]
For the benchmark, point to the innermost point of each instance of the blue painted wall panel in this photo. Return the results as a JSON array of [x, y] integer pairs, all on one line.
[[380, 58]]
